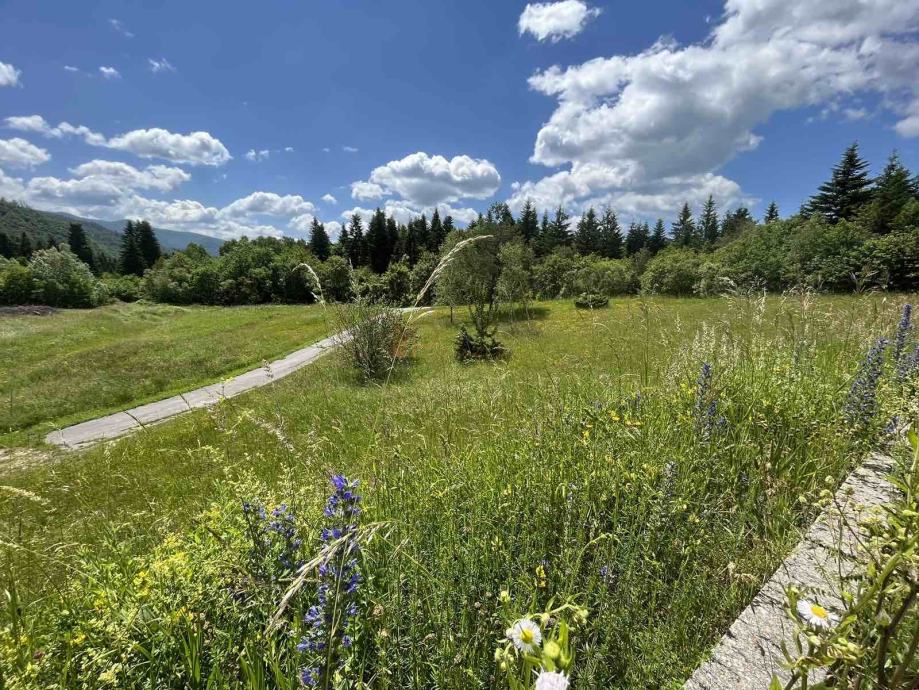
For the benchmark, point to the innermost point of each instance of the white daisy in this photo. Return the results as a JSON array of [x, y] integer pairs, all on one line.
[[525, 635], [551, 681], [815, 615]]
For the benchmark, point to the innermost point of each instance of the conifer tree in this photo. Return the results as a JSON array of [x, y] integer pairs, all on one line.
[[555, 233], [6, 247], [658, 238], [892, 191], [319, 243], [131, 260], [25, 246], [52, 243], [736, 221], [772, 213], [587, 233], [392, 240], [448, 226], [147, 243], [344, 242], [610, 235], [437, 233], [684, 229], [79, 244], [847, 190], [636, 239], [708, 223], [356, 248], [377, 242], [528, 225]]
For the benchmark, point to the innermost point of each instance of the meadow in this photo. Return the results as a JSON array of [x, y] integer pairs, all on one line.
[[651, 463], [75, 365]]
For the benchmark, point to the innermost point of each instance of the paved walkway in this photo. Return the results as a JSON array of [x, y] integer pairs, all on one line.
[[750, 652], [121, 423]]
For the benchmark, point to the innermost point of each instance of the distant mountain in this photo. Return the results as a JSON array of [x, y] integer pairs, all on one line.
[[104, 236]]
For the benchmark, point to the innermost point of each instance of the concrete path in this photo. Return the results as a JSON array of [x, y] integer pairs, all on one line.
[[121, 423], [750, 652]]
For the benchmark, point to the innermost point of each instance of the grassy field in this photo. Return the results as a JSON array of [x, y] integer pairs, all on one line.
[[78, 364], [585, 467]]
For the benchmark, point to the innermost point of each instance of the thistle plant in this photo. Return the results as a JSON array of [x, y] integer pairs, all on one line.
[[325, 638], [537, 652]]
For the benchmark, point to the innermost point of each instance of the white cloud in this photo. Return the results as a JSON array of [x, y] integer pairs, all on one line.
[[333, 229], [630, 125], [11, 187], [19, 153], [161, 65], [423, 180], [288, 149], [109, 72], [71, 68], [554, 21], [159, 177], [329, 199], [9, 75], [119, 26], [302, 222], [403, 212], [366, 190], [349, 149], [194, 148], [269, 204], [256, 156]]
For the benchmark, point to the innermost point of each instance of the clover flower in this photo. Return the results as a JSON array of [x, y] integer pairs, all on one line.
[[525, 635], [861, 405], [551, 681], [326, 623], [815, 616]]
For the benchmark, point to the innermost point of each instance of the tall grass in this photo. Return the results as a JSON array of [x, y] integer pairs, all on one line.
[[576, 469]]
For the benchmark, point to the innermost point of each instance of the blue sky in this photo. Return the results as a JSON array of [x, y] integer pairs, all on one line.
[[413, 105]]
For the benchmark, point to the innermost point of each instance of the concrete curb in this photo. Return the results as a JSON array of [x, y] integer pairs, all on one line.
[[750, 652]]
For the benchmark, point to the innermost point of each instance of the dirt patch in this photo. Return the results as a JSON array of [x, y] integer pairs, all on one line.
[[27, 310], [15, 459]]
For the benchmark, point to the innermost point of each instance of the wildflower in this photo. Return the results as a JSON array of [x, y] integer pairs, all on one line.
[[815, 615], [551, 681], [275, 540], [706, 406], [899, 341], [862, 402], [525, 635]]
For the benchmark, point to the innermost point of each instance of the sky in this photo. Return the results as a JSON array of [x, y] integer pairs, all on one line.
[[255, 118]]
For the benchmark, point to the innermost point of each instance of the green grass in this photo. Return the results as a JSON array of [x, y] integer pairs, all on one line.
[[79, 364], [126, 555]]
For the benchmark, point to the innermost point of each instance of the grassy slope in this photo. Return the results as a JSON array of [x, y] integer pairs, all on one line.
[[486, 470], [79, 364]]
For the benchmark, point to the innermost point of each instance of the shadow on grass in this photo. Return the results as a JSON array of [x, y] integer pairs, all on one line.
[[519, 313]]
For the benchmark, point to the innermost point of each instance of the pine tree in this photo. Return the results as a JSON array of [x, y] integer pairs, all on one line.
[[79, 244], [848, 189], [344, 242], [377, 242], [131, 260], [610, 235], [6, 247], [528, 225], [708, 223], [319, 243], [892, 191], [658, 238], [772, 213], [555, 233], [587, 234], [684, 229], [147, 243], [437, 233], [448, 225], [636, 239], [356, 248], [734, 222], [25, 246], [392, 240]]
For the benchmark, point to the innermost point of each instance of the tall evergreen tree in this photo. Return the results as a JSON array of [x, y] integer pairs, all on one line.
[[148, 244], [377, 242], [848, 189], [684, 229], [448, 225], [392, 240], [356, 247], [636, 239], [658, 238], [735, 221], [437, 233], [892, 191], [610, 235], [6, 247], [79, 244], [319, 243], [772, 213], [529, 222], [343, 245], [556, 232], [25, 246], [52, 243], [708, 223], [587, 233], [131, 259]]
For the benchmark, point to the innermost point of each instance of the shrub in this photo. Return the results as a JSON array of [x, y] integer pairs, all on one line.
[[16, 283], [335, 276], [125, 288], [827, 256], [470, 348], [672, 272], [376, 338], [515, 280], [398, 283], [591, 300], [609, 277], [551, 275], [62, 280]]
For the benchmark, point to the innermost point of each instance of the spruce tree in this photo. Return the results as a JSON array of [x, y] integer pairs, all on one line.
[[392, 240], [892, 191], [377, 242], [587, 234], [848, 189], [448, 225], [356, 248], [344, 242], [610, 235], [131, 259], [437, 233], [708, 223], [658, 238], [319, 243], [734, 222], [684, 229], [555, 233], [772, 213], [79, 244], [636, 239], [6, 247], [25, 246], [528, 225], [147, 243]]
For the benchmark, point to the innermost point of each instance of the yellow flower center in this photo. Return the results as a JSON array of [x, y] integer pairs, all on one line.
[[819, 611], [526, 635]]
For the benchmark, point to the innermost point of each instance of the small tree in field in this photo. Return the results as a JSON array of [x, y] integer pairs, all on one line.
[[515, 283]]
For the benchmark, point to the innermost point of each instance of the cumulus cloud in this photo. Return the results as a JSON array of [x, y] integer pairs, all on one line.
[[19, 153], [11, 187], [9, 75], [554, 21], [159, 177], [161, 65], [366, 190], [194, 148], [268, 204], [329, 199], [109, 73], [629, 125]]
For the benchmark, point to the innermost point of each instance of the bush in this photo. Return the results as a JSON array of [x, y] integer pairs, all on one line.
[[672, 272], [62, 280], [470, 348], [398, 282], [591, 300], [16, 283], [125, 288], [377, 338], [551, 275], [335, 277], [609, 277]]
